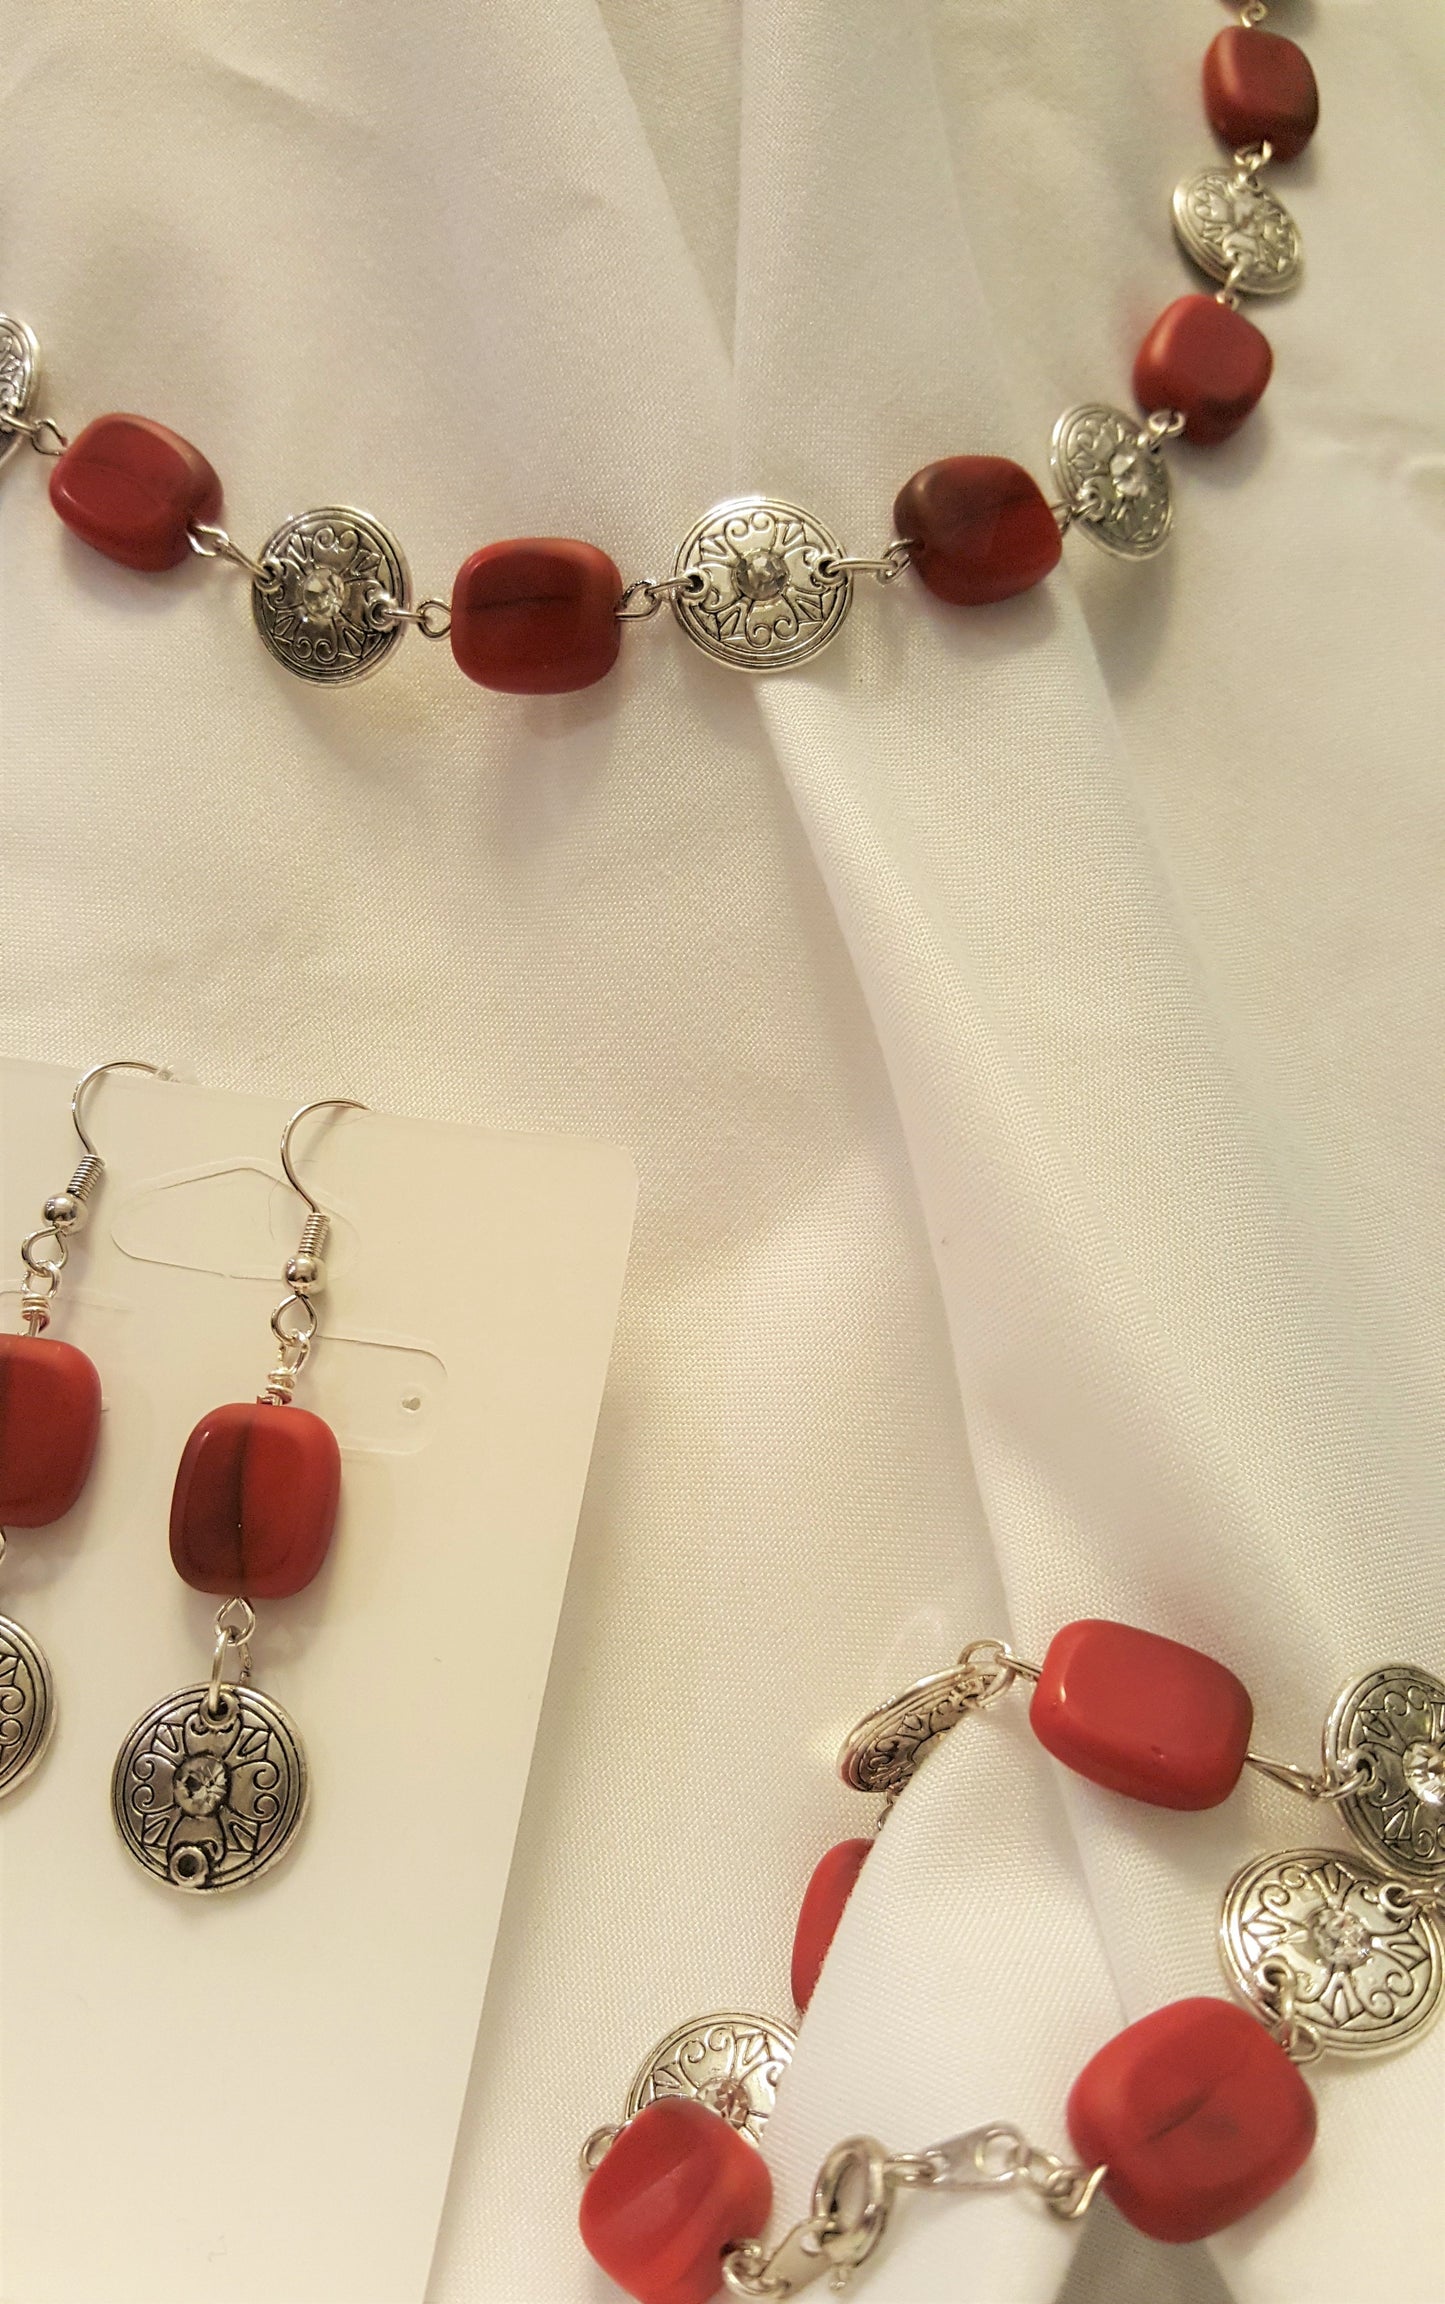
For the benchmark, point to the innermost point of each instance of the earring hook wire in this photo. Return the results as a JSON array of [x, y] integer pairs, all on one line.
[[321, 1104], [115, 1064]]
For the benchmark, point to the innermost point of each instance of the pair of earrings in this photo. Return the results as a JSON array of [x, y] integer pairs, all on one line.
[[210, 1785]]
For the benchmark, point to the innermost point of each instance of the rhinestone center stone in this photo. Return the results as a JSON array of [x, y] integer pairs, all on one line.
[[1340, 1937], [1425, 1773]]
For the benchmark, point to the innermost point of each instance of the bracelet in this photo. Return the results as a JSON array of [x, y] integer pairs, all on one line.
[[1189, 2118], [757, 583]]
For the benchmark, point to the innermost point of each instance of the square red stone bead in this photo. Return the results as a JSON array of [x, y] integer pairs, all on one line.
[[1258, 85], [672, 2194], [979, 527], [1198, 2114], [537, 616], [255, 1500], [130, 489], [49, 1424], [1145, 1716], [835, 1876], [1207, 361]]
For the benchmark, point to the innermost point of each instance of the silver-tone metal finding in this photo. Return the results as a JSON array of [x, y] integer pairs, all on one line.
[[432, 618], [1334, 1956], [1253, 12], [27, 1704], [858, 2184], [295, 1320], [207, 1801], [235, 1624], [46, 1251], [883, 1750], [1390, 1724], [328, 566], [1162, 425], [762, 604], [1323, 1784], [42, 432], [1108, 473], [1000, 2155], [19, 382], [728, 2061], [1235, 229], [597, 2147], [649, 593], [211, 543], [895, 558]]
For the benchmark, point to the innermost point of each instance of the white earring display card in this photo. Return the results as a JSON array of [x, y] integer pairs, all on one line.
[[218, 2099]]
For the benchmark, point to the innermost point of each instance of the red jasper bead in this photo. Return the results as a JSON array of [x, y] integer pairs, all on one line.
[[130, 489], [834, 1878], [1258, 85], [1142, 1715], [672, 2194], [1207, 361], [1199, 2115], [979, 527], [49, 1424], [536, 617], [255, 1500]]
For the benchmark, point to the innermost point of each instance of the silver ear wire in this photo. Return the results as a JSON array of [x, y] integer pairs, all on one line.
[[305, 1270]]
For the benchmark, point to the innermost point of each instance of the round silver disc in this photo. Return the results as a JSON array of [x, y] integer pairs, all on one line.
[[729, 2062], [1393, 1720], [209, 1803], [1367, 1962], [1115, 485], [1231, 224], [881, 1753], [756, 598], [27, 1704], [331, 566], [19, 377]]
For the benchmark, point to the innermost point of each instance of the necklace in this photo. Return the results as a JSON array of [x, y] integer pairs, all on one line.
[[758, 584]]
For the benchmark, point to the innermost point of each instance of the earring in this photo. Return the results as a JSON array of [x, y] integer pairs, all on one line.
[[49, 1424], [210, 1786]]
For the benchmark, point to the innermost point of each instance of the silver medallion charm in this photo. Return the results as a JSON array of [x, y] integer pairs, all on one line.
[[1364, 1959], [1113, 480], [1237, 232], [19, 376], [1390, 1725], [729, 2062], [334, 575], [208, 1799], [757, 585], [27, 1704], [887, 1745]]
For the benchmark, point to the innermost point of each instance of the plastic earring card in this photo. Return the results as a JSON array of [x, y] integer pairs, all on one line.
[[253, 2098]]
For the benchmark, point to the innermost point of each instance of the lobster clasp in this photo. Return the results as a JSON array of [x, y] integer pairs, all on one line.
[[851, 2202]]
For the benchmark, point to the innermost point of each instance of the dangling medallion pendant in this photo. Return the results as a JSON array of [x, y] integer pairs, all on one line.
[[210, 1788], [27, 1705]]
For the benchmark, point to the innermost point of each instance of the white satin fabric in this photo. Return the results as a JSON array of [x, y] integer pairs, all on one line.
[[1027, 1020]]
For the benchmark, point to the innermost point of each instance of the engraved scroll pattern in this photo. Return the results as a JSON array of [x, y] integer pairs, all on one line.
[[17, 371], [1231, 223], [1116, 485], [1394, 1720], [733, 2064], [330, 567], [1366, 1962], [24, 1703], [761, 599], [206, 1803]]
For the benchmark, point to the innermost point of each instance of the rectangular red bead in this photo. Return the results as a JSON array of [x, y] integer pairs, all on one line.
[[255, 1500], [49, 1424], [131, 489], [1142, 1715], [677, 2188], [1198, 2115]]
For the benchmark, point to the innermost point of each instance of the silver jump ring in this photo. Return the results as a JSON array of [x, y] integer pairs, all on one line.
[[303, 1332], [50, 1266], [895, 557], [34, 429], [211, 543], [655, 591], [432, 618]]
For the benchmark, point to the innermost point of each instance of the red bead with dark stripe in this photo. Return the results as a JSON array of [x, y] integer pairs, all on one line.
[[255, 1500], [131, 489], [49, 1424]]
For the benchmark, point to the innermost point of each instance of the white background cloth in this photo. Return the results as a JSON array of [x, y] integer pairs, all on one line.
[[1027, 1020]]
